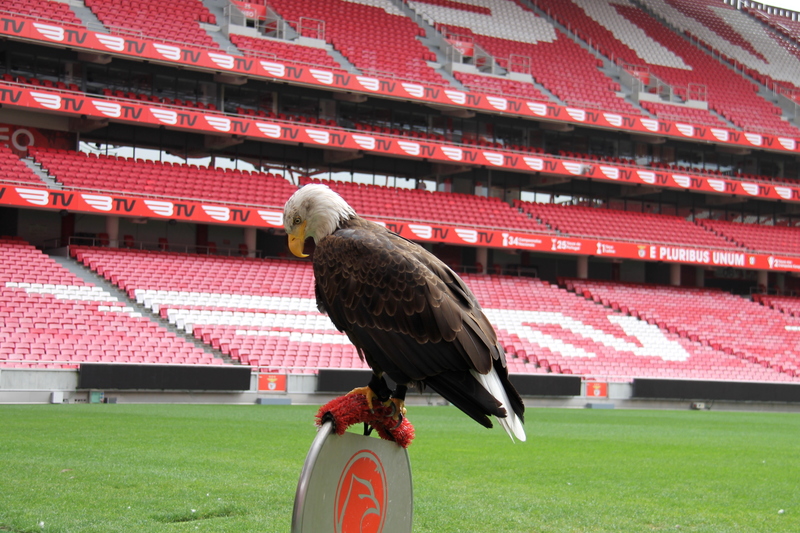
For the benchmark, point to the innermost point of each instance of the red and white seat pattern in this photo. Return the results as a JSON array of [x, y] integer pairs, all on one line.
[[513, 34], [263, 313], [742, 328], [624, 32], [742, 38], [258, 312], [555, 330], [49, 318]]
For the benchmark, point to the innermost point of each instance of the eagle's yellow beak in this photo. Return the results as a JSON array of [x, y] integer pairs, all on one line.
[[297, 240]]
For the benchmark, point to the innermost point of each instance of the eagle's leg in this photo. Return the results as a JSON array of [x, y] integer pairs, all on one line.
[[377, 388], [398, 399]]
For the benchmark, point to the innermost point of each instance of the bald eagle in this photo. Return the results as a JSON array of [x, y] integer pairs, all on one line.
[[406, 312]]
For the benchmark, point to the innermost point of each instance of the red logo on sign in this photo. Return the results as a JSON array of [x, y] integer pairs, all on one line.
[[361, 495], [597, 390]]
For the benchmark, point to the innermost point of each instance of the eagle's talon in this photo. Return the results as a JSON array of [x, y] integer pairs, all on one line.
[[398, 409], [400, 419], [367, 392]]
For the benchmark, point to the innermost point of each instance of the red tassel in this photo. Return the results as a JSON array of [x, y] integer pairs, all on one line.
[[353, 409]]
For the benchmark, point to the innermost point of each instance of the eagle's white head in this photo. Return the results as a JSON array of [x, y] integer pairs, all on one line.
[[313, 211]]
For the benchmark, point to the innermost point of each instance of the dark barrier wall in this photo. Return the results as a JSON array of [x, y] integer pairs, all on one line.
[[163, 377], [738, 391], [336, 381], [546, 384]]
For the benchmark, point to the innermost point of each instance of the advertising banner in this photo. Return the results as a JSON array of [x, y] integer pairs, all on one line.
[[133, 111]]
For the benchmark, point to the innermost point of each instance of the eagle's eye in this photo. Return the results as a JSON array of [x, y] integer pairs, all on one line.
[[296, 221]]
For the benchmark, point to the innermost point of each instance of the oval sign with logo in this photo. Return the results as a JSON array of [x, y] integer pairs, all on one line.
[[353, 484]]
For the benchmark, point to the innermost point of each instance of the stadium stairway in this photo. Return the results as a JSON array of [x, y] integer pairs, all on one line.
[[92, 277], [216, 7], [87, 17], [434, 41], [37, 169]]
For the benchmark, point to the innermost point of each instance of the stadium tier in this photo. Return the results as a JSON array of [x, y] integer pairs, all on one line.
[[50, 318], [642, 44], [624, 225], [148, 18], [521, 41], [759, 238], [382, 43], [263, 313], [111, 173], [734, 325]]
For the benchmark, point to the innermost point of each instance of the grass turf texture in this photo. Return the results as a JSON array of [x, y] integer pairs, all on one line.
[[173, 468]]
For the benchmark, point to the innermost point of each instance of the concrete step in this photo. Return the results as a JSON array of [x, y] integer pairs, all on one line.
[[40, 172]]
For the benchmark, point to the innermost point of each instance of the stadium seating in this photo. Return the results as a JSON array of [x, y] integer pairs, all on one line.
[[382, 43], [43, 82], [362, 126], [179, 102], [781, 24], [258, 312], [80, 170], [285, 51], [624, 225], [263, 312], [12, 169], [181, 24], [741, 39], [441, 207], [506, 28], [789, 305], [49, 10], [758, 238], [742, 328], [503, 86], [630, 36], [559, 332], [50, 318], [683, 114]]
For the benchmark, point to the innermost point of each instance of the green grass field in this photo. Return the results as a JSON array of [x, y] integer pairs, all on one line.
[[173, 468]]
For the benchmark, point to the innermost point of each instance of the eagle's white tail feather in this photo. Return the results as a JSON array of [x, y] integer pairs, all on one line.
[[511, 423]]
